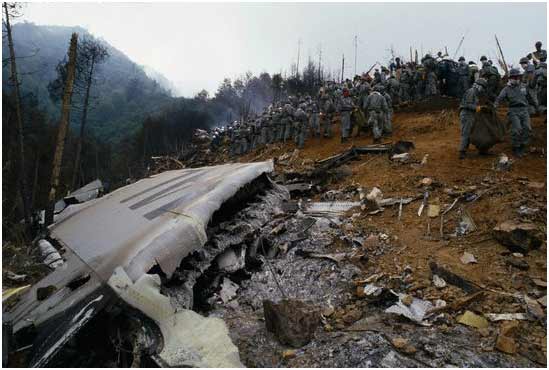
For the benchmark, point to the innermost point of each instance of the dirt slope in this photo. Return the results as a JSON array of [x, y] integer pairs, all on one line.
[[437, 134]]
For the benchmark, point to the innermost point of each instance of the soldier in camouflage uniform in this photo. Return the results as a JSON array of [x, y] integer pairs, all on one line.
[[467, 109], [392, 87], [463, 79], [492, 77], [346, 106], [405, 84], [388, 121], [540, 55], [313, 111], [376, 106], [528, 82], [287, 121], [540, 81], [514, 93]]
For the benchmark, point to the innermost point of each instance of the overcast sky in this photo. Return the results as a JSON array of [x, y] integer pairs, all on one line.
[[197, 45]]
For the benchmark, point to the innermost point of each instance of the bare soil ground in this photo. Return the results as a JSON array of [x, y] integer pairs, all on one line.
[[437, 135]]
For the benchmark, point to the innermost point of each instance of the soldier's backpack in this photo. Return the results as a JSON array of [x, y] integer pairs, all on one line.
[[487, 130]]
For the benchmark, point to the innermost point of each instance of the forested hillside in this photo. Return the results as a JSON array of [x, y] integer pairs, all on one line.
[[123, 93]]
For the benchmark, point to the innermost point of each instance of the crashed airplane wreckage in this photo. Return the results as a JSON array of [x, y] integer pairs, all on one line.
[[117, 252]]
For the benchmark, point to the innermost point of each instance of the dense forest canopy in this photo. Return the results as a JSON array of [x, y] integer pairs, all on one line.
[[132, 114]]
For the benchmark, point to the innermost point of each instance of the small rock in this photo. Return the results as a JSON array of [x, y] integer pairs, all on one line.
[[467, 258], [289, 353], [543, 301], [518, 237], [402, 345], [518, 255], [439, 282], [371, 242], [292, 321], [352, 316], [328, 311], [426, 181], [471, 319], [506, 344]]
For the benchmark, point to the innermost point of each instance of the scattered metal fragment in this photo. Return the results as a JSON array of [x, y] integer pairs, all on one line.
[[329, 208], [506, 316], [416, 311], [423, 203]]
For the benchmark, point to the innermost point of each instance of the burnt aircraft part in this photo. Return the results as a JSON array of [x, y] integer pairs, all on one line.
[[157, 220]]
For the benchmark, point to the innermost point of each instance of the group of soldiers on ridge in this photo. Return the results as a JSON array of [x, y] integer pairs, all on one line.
[[367, 102]]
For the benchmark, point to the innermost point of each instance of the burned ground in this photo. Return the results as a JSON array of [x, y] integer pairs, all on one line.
[[495, 196], [264, 245]]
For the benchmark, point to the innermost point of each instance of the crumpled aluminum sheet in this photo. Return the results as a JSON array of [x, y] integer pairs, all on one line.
[[155, 220], [160, 219]]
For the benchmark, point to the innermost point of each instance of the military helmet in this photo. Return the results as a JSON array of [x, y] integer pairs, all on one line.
[[523, 60], [461, 59], [538, 44], [514, 72], [483, 58], [482, 82]]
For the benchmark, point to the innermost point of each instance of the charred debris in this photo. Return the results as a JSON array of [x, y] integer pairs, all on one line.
[[247, 250]]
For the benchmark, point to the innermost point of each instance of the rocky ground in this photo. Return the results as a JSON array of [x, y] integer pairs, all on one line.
[[395, 254]]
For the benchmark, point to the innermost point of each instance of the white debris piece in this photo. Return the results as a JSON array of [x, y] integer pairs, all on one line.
[[228, 290], [416, 311], [439, 282], [190, 340], [371, 290], [231, 261], [506, 316], [467, 258]]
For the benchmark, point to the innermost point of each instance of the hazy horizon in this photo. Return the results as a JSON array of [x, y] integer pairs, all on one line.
[[195, 45]]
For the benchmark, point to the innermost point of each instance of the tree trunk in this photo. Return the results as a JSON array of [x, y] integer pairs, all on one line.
[[76, 169], [63, 129], [19, 119]]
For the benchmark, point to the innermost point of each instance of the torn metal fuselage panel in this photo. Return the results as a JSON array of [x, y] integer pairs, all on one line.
[[155, 221]]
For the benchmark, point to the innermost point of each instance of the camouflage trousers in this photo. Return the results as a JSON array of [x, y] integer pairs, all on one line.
[[315, 124], [299, 133], [466, 117], [388, 124], [346, 124], [327, 124], [376, 121], [288, 130], [520, 126]]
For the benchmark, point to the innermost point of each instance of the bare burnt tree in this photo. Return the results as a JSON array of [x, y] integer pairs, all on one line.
[[63, 127], [18, 169], [91, 53]]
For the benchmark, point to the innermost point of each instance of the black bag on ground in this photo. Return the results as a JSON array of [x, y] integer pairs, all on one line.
[[487, 130]]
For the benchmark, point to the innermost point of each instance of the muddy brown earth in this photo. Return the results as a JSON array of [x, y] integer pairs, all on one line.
[[412, 242]]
